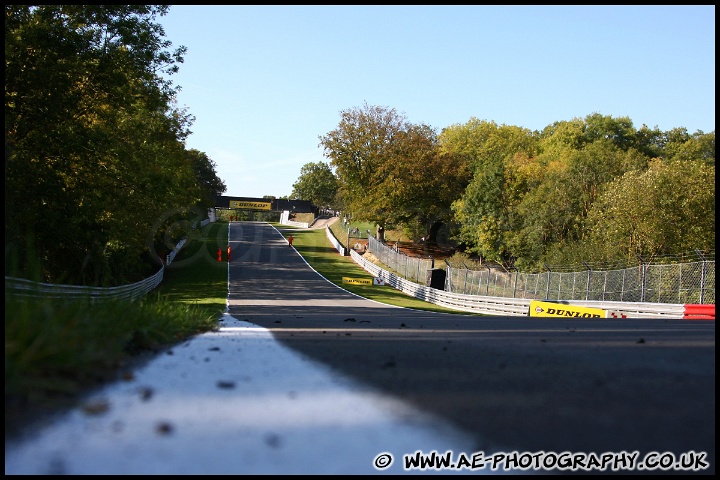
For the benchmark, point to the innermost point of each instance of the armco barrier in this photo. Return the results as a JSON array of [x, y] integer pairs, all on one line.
[[699, 312], [336, 243], [27, 288], [509, 306]]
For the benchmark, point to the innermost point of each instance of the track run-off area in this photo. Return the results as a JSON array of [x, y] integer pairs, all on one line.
[[304, 377]]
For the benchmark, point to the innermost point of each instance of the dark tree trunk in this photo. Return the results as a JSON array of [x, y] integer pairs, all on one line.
[[434, 229]]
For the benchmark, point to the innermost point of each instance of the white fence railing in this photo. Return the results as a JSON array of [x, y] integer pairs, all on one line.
[[504, 306], [412, 268], [133, 291], [171, 256], [336, 243], [27, 288], [689, 282], [293, 223], [285, 220]]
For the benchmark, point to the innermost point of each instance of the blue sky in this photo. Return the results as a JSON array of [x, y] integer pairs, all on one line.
[[265, 82]]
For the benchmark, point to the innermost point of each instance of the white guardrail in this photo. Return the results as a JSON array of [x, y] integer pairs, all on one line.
[[336, 243], [456, 301], [500, 305], [27, 288], [293, 223], [285, 220]]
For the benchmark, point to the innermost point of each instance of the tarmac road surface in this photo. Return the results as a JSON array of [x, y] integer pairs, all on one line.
[[305, 377], [532, 384]]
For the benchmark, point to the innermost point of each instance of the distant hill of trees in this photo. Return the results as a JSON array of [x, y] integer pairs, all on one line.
[[99, 184], [594, 189]]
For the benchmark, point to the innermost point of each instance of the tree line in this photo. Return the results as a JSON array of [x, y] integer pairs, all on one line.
[[98, 181], [593, 189], [99, 185]]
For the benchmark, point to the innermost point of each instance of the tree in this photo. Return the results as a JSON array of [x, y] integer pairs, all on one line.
[[417, 188], [94, 145], [393, 172], [650, 142], [485, 212], [619, 131], [467, 140], [366, 138], [668, 208], [210, 184], [561, 136], [317, 184], [683, 146], [558, 188]]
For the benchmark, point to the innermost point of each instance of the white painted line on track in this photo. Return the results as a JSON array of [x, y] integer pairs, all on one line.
[[234, 401]]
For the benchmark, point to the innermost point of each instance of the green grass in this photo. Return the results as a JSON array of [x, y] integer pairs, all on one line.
[[314, 246], [55, 351], [195, 277], [341, 232]]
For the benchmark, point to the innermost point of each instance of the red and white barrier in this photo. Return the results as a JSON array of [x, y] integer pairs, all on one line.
[[696, 311]]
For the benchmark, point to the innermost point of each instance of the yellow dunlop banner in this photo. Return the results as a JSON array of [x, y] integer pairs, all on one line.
[[250, 205], [548, 309], [358, 281]]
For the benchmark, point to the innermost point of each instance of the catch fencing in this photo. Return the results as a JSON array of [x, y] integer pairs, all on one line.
[[690, 282], [505, 306], [411, 268], [685, 283]]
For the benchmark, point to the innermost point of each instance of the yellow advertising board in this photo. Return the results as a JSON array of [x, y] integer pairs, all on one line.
[[250, 205], [549, 309], [358, 281]]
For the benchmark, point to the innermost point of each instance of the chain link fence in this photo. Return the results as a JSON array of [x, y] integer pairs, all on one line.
[[687, 283], [410, 268], [688, 279]]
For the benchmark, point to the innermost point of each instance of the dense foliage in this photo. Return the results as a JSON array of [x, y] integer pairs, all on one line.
[[594, 189], [96, 171], [317, 183], [392, 172]]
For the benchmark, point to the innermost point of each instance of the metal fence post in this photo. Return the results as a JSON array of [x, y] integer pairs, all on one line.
[[448, 277], [702, 276], [587, 289], [547, 290], [642, 278], [487, 284], [466, 274]]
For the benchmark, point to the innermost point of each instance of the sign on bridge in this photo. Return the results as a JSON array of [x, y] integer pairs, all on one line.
[[250, 205]]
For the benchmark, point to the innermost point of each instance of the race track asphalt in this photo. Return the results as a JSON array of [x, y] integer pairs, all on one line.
[[531, 384]]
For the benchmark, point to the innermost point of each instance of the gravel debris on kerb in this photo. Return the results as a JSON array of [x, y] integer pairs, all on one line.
[[233, 402]]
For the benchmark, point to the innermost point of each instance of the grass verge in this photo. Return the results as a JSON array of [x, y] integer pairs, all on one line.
[[316, 249], [56, 351]]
